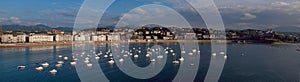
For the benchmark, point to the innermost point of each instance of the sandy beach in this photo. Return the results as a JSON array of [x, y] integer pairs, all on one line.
[[7, 45]]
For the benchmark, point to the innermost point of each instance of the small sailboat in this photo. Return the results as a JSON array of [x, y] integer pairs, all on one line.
[[45, 64], [60, 62], [86, 61], [160, 57], [181, 59], [97, 57], [175, 62], [225, 57], [58, 65], [21, 67], [53, 71], [65, 58], [89, 65], [73, 63], [111, 61], [39, 68], [136, 56], [152, 60], [60, 56], [121, 60]]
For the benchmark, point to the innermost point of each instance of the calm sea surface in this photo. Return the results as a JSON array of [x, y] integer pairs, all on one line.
[[245, 63]]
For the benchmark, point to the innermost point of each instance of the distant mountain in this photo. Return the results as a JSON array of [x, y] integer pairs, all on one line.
[[152, 26], [66, 29], [40, 28], [287, 29], [26, 28]]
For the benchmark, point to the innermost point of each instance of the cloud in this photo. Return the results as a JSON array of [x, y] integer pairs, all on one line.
[[276, 14], [15, 20], [3, 19], [10, 20], [248, 16], [139, 11], [280, 4], [152, 14]]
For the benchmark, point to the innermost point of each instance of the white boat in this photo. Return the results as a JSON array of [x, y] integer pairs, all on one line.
[[53, 71], [89, 65], [121, 60], [21, 67], [152, 60], [222, 53], [45, 64], [181, 59], [60, 56], [147, 55], [86, 61], [136, 56], [97, 57], [175, 62], [194, 50], [87, 58], [58, 65], [105, 56], [192, 64], [171, 51], [39, 68], [60, 62], [160, 57], [73, 63], [190, 54], [111, 61], [214, 54], [183, 52], [66, 58]]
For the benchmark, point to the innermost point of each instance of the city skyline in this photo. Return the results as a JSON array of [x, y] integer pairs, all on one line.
[[236, 14]]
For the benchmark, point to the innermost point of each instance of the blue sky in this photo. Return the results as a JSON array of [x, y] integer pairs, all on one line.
[[235, 13]]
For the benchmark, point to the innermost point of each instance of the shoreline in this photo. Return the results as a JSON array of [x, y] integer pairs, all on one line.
[[131, 41]]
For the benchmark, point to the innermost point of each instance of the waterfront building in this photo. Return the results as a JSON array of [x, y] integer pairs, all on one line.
[[82, 38], [113, 37], [9, 38], [190, 36], [63, 38], [99, 38], [41, 38]]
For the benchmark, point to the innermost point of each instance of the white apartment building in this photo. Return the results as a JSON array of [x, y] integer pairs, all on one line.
[[113, 37], [190, 36], [41, 38], [9, 38], [99, 38], [61, 38], [82, 38]]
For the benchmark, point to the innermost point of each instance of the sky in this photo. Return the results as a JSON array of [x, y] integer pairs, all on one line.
[[236, 14]]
